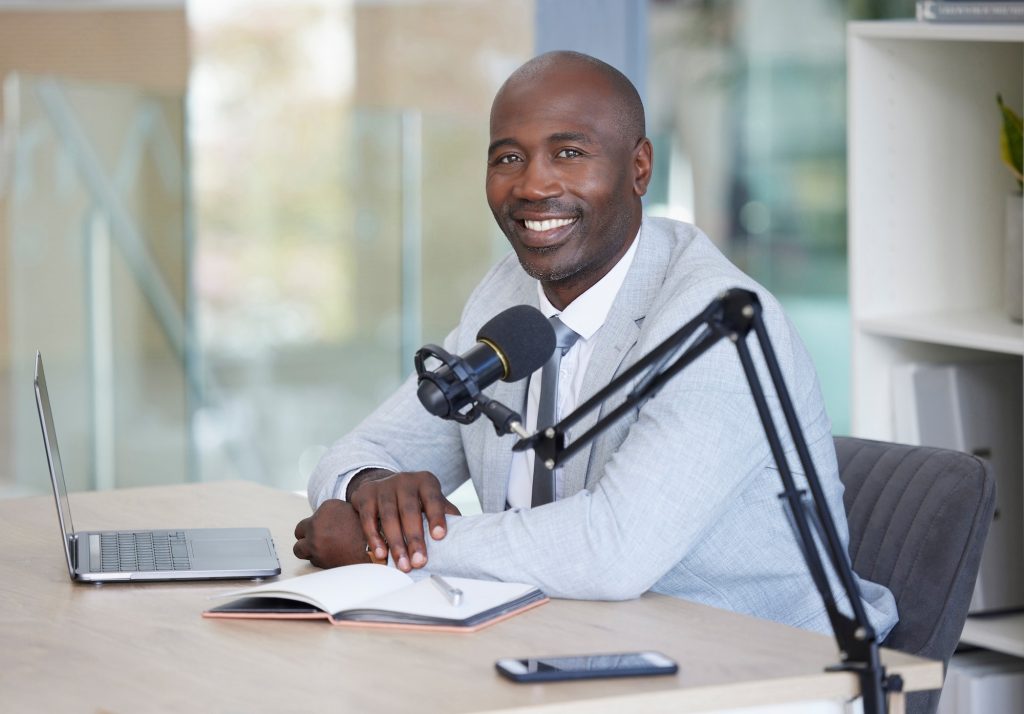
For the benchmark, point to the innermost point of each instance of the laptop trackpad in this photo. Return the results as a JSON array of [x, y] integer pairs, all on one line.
[[230, 548]]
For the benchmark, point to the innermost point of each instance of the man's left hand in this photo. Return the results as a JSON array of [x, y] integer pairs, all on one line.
[[331, 536]]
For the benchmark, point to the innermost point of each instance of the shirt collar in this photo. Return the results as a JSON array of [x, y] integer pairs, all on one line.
[[587, 313]]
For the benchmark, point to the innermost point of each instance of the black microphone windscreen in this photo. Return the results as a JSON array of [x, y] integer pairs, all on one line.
[[524, 336]]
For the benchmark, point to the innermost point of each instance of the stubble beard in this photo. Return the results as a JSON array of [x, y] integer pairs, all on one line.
[[571, 275], [547, 276]]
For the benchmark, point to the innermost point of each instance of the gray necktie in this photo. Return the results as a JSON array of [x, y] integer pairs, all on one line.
[[543, 478]]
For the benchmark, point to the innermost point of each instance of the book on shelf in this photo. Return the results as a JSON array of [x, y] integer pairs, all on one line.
[[367, 595], [970, 10]]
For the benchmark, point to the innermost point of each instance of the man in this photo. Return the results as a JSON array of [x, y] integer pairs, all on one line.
[[678, 497]]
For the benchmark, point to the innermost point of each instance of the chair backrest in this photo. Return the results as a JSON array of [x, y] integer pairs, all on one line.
[[918, 519]]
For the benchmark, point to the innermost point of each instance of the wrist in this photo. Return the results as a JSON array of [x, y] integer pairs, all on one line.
[[363, 476]]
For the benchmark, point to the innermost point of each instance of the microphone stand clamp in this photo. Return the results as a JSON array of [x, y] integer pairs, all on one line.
[[505, 420]]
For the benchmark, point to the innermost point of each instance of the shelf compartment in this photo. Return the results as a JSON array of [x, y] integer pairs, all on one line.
[[982, 329], [927, 188], [1003, 633]]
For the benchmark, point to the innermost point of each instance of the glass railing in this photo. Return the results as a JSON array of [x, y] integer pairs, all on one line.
[[350, 266], [320, 261], [97, 279]]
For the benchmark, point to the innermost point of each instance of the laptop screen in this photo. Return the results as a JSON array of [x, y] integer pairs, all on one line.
[[60, 489]]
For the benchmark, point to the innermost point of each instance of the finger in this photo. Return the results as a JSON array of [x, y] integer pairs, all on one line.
[[410, 511], [434, 509], [301, 527], [370, 525], [391, 527], [301, 549], [451, 509]]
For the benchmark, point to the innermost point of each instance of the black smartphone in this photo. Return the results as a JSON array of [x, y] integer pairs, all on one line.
[[552, 669]]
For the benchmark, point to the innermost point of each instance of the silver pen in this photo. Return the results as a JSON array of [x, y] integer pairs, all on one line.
[[454, 595]]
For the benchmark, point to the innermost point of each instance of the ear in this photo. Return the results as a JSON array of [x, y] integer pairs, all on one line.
[[643, 164]]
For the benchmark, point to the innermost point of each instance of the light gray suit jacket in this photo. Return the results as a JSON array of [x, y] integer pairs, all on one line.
[[679, 497]]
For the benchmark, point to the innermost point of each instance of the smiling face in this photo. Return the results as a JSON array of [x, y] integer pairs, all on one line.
[[565, 173]]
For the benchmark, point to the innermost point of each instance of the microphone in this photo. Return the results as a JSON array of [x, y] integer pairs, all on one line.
[[511, 346]]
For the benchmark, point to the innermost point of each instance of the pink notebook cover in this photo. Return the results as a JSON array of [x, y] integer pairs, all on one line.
[[320, 615]]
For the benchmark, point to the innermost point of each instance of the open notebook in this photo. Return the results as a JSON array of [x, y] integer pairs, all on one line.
[[379, 596]]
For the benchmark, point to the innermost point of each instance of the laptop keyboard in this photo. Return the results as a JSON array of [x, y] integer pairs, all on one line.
[[126, 551]]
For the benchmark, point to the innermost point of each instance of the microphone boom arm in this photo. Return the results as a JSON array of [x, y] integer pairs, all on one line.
[[733, 315]]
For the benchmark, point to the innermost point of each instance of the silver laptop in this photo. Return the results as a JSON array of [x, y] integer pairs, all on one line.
[[182, 554]]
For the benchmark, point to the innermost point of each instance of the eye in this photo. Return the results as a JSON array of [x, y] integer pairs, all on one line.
[[569, 154], [506, 159]]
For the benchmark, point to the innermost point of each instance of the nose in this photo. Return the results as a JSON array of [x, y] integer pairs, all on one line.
[[537, 181]]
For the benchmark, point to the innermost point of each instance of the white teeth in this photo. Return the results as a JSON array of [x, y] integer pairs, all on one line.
[[549, 224]]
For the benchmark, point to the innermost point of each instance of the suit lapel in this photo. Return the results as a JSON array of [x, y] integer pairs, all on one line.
[[496, 453], [615, 339]]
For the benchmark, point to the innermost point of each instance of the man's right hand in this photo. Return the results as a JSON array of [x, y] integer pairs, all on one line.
[[330, 537], [391, 507]]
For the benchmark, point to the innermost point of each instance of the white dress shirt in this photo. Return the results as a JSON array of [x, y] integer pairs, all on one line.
[[585, 315]]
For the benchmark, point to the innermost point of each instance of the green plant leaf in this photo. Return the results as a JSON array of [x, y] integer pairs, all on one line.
[[1011, 146]]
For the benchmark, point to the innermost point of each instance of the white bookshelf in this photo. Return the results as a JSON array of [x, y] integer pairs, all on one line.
[[927, 204]]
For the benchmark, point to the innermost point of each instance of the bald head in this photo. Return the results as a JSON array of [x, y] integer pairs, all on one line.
[[623, 107], [567, 167]]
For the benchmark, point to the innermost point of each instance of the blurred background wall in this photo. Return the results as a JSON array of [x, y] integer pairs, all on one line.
[[228, 225]]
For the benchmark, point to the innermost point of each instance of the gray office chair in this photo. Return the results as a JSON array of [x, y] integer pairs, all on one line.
[[918, 519]]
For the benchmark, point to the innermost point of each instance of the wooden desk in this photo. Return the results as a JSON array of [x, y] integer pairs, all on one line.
[[144, 647]]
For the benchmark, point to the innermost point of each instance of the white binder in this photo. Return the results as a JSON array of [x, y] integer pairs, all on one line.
[[974, 407]]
